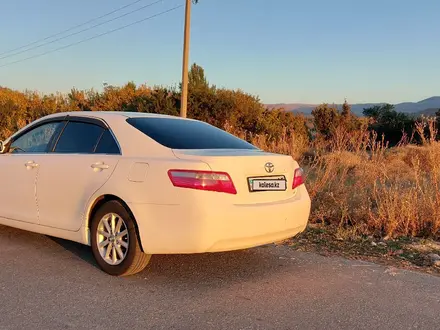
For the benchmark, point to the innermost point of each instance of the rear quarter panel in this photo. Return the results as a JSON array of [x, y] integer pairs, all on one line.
[[152, 185]]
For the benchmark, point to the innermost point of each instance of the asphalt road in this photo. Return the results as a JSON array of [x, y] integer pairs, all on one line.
[[47, 283]]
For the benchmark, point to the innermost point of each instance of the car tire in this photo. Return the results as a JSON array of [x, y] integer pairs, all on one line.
[[108, 246]]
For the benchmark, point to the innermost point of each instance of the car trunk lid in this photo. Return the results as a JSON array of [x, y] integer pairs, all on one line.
[[258, 176]]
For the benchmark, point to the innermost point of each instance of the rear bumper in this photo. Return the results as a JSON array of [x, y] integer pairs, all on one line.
[[181, 229]]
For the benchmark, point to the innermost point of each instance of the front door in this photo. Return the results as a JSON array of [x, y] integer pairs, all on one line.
[[83, 159], [19, 168]]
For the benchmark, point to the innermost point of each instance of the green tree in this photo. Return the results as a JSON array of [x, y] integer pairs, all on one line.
[[437, 117], [346, 110], [196, 78], [387, 122], [379, 112], [325, 120], [350, 121]]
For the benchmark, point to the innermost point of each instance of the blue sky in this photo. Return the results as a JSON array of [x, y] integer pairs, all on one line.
[[282, 50]]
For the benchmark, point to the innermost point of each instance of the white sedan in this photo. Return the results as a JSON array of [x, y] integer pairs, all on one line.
[[131, 185]]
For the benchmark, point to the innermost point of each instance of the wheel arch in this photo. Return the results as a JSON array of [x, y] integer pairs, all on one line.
[[100, 201]]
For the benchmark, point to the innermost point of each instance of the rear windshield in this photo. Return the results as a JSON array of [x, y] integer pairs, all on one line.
[[187, 134]]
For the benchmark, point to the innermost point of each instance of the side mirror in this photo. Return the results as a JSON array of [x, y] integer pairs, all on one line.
[[2, 147]]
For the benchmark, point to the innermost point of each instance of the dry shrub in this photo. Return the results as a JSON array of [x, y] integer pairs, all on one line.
[[410, 205], [292, 144], [357, 182], [379, 190]]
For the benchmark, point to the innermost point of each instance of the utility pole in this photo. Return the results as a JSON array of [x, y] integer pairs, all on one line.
[[184, 97]]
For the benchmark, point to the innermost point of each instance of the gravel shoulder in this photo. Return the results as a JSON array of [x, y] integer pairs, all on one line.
[[421, 255]]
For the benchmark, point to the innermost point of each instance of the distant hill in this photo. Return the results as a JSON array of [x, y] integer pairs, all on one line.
[[429, 112], [428, 106]]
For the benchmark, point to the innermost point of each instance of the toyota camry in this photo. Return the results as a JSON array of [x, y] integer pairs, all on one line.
[[131, 185]]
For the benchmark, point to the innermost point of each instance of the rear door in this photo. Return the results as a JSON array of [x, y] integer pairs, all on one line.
[[82, 160]]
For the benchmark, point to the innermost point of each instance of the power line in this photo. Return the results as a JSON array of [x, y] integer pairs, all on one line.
[[71, 28], [94, 37], [81, 31]]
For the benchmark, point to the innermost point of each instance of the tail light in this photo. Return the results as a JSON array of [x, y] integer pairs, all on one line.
[[203, 180], [298, 178]]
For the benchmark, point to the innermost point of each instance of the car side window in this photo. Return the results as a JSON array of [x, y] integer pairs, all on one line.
[[36, 140], [107, 144], [79, 137]]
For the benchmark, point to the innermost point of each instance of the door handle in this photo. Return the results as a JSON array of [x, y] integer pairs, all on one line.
[[30, 165], [99, 166]]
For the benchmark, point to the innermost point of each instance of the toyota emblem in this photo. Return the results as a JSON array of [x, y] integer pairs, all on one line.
[[269, 167]]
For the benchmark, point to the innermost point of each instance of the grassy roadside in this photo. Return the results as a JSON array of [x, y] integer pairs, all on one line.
[[405, 253], [370, 201]]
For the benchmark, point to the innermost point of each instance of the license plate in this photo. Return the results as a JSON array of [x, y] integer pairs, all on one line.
[[267, 184]]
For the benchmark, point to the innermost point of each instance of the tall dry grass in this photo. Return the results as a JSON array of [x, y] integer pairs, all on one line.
[[356, 181]]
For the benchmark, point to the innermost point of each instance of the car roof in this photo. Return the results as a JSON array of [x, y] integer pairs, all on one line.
[[111, 115]]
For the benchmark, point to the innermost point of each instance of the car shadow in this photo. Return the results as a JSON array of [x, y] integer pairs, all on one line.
[[208, 270], [213, 270], [185, 271], [82, 251], [190, 270]]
